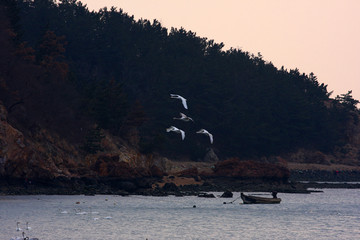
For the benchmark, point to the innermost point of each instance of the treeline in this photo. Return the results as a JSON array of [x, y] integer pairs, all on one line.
[[123, 71]]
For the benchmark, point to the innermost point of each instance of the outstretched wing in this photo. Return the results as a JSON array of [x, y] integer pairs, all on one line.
[[182, 134], [211, 138], [184, 103], [183, 115]]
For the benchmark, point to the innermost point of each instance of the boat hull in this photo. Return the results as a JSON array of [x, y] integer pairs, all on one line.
[[259, 200]]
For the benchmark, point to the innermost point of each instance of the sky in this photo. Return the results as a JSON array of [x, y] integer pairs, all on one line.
[[319, 36]]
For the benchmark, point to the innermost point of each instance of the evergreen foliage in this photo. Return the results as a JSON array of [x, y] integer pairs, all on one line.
[[347, 101], [93, 139], [106, 103], [251, 107]]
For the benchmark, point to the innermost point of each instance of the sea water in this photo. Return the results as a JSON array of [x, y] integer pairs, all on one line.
[[332, 214]]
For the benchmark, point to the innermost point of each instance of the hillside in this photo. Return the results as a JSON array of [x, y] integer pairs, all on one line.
[[87, 95]]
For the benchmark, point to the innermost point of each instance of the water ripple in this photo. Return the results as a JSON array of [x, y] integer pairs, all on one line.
[[333, 214]]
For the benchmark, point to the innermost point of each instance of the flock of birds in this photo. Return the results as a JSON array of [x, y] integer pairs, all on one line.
[[24, 237], [185, 118]]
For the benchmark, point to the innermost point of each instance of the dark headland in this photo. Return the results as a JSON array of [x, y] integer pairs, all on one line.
[[85, 103]]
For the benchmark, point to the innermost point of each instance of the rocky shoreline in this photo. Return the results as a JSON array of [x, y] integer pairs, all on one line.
[[299, 182], [325, 175]]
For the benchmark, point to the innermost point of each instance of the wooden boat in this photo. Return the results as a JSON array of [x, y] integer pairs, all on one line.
[[249, 199]]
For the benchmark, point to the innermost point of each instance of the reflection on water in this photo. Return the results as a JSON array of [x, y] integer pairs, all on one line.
[[333, 214]]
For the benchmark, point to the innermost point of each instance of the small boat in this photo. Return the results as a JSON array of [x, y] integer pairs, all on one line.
[[249, 199]]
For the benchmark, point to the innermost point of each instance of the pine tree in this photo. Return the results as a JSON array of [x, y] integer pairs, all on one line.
[[51, 54], [92, 143], [347, 100]]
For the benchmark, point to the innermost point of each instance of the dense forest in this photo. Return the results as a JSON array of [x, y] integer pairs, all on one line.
[[76, 71]]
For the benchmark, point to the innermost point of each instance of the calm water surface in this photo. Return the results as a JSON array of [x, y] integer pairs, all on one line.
[[333, 214]]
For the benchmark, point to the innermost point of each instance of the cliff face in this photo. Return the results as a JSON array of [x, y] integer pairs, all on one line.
[[42, 156]]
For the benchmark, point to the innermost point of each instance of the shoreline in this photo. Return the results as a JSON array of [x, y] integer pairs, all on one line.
[[303, 178], [178, 186]]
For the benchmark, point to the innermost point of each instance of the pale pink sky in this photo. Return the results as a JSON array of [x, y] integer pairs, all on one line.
[[320, 36]]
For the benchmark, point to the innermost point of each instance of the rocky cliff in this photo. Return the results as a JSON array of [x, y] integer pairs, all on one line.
[[45, 155]]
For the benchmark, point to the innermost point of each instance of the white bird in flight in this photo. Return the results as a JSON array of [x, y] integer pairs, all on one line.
[[183, 100], [203, 131], [175, 129], [183, 117]]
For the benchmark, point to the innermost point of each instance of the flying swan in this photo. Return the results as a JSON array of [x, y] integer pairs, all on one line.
[[183, 100], [203, 131], [175, 129]]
